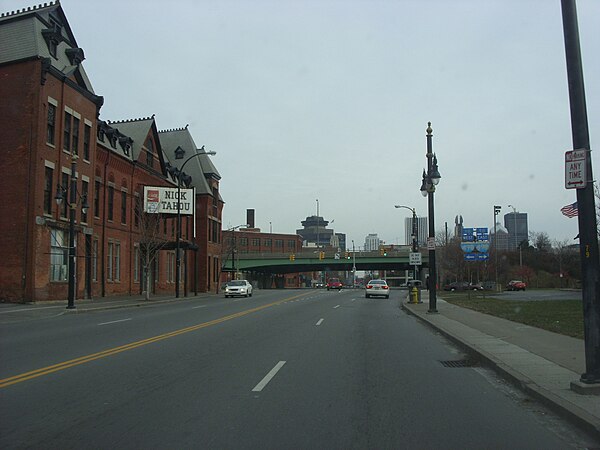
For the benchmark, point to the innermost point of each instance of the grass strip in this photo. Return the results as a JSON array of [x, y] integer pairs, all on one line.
[[560, 316]]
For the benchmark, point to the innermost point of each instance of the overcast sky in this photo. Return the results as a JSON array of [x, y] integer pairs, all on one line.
[[329, 100]]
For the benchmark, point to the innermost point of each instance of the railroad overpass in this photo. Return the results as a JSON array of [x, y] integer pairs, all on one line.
[[310, 261]]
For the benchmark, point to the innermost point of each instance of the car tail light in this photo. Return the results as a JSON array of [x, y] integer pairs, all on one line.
[[385, 287], [369, 286]]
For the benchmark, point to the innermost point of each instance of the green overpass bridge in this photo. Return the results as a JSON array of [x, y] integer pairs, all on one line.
[[310, 261]]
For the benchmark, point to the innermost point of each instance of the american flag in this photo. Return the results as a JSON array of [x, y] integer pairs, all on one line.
[[570, 210]]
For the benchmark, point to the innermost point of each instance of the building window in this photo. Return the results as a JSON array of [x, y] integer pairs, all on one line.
[[59, 254], [149, 153], [65, 192], [75, 133], [117, 256], [95, 260], [291, 245], [67, 132], [170, 267], [136, 264], [97, 198], [256, 242], [87, 133], [279, 243], [111, 202], [123, 207], [109, 262], [48, 174], [137, 210], [51, 126], [84, 193], [268, 243], [244, 241]]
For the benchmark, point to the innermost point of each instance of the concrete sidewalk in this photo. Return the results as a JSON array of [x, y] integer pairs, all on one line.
[[542, 363]]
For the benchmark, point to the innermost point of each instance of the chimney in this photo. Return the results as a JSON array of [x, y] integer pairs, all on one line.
[[250, 218]]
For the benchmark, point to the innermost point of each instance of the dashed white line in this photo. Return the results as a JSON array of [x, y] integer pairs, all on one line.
[[320, 322], [260, 386], [201, 306], [114, 321], [336, 306]]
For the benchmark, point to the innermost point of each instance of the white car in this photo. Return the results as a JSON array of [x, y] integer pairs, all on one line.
[[377, 287], [238, 287]]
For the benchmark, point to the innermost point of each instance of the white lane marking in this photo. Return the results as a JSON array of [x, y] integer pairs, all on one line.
[[260, 386], [201, 306], [337, 306], [320, 322], [114, 321]]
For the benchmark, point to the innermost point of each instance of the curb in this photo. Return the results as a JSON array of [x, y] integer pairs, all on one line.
[[569, 411]]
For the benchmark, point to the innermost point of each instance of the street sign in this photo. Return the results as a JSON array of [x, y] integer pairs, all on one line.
[[430, 243], [414, 259], [476, 256], [576, 169]]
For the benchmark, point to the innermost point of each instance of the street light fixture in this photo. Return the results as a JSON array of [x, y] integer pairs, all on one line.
[[179, 155], [61, 193], [414, 234], [431, 178]]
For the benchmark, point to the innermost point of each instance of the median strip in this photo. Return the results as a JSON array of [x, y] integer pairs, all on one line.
[[113, 351]]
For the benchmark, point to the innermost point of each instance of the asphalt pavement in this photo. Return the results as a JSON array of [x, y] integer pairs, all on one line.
[[546, 365]]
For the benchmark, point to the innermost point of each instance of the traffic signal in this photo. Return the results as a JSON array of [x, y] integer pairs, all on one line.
[[292, 257], [321, 255], [347, 254], [381, 251]]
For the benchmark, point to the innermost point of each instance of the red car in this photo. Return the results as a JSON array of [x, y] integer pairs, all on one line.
[[516, 285], [334, 283]]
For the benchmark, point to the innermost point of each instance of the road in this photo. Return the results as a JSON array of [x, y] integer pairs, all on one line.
[[282, 369]]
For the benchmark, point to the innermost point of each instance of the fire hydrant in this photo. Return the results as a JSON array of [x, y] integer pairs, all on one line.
[[414, 295]]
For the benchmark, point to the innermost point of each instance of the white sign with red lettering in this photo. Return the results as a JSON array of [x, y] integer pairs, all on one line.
[[575, 169]]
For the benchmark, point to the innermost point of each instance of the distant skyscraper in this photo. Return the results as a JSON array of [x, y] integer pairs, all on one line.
[[422, 231], [502, 241], [372, 242], [516, 224]]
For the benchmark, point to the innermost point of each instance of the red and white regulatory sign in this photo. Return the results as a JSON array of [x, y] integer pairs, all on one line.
[[575, 169]]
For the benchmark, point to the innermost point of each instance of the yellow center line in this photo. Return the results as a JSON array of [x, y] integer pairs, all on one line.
[[113, 351]]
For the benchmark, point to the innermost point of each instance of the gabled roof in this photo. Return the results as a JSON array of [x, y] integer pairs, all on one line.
[[25, 34], [200, 168]]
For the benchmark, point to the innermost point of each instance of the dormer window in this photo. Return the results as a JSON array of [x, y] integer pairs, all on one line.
[[52, 36], [125, 143], [75, 55], [112, 137], [179, 153]]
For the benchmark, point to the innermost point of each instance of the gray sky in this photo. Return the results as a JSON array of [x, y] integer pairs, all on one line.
[[329, 100]]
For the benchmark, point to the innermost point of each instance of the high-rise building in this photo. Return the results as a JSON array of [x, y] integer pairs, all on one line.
[[500, 239], [422, 231], [518, 232], [372, 242]]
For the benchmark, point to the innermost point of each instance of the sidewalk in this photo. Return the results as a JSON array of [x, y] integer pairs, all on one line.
[[542, 363], [44, 309]]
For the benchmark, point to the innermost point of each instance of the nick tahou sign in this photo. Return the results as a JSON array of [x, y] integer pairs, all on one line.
[[160, 200]]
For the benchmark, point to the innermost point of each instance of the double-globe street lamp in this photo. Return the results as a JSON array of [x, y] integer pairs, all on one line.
[[430, 180], [61, 193], [414, 233], [180, 173]]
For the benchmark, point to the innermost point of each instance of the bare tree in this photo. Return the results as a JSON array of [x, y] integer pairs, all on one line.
[[541, 241], [151, 241]]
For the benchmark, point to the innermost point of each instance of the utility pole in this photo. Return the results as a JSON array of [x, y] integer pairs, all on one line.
[[588, 239]]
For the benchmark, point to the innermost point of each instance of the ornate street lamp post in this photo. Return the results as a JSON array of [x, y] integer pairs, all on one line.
[[430, 180], [199, 152], [61, 193]]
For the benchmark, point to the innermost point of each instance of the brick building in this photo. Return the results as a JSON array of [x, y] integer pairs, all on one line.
[[52, 139]]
